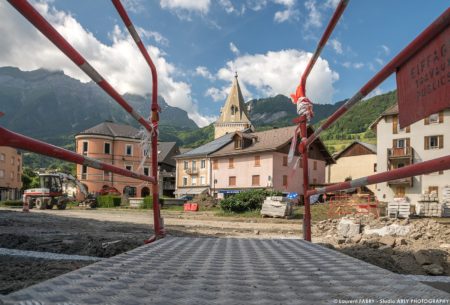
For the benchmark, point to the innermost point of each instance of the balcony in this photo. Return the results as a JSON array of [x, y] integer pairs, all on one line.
[[402, 182], [400, 153], [168, 186], [191, 171]]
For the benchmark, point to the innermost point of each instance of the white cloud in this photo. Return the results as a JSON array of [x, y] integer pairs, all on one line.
[[218, 95], [121, 63], [156, 36], [256, 5], [230, 8], [279, 73], [135, 6], [337, 46], [375, 92], [314, 15], [355, 65], [288, 14], [204, 72], [234, 49], [332, 3], [379, 61], [200, 6], [386, 49]]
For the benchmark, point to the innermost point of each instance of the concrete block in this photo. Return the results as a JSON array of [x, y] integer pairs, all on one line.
[[348, 228]]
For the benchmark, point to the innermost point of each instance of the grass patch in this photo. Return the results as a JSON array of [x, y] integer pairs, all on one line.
[[319, 212], [11, 203]]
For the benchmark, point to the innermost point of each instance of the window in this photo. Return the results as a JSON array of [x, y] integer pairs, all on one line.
[[186, 164], [315, 165], [374, 167], [194, 165], [184, 181], [232, 181], [285, 160], [146, 171], [107, 148], [433, 189], [230, 163], [434, 142], [11, 175], [238, 143], [434, 118], [203, 164], [129, 167], [12, 160], [84, 172], [255, 180], [202, 180], [400, 143], [257, 160], [106, 176], [285, 180], [129, 149], [2, 157], [400, 191], [2, 173], [194, 180], [215, 164], [85, 147]]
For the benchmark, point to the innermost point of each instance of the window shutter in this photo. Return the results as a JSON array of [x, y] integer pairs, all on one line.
[[441, 141], [394, 143], [426, 143], [408, 129], [441, 116], [394, 124], [427, 121], [408, 142]]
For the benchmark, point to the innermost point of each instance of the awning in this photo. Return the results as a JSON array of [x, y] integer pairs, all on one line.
[[192, 191], [229, 191]]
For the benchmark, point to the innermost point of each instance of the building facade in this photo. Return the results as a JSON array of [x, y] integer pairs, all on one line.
[[259, 160], [357, 160], [119, 145], [233, 115], [397, 147], [10, 173]]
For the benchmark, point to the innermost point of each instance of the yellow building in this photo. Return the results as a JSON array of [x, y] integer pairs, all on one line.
[[10, 173]]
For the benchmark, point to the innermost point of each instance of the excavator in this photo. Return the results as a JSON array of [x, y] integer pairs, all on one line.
[[50, 193]]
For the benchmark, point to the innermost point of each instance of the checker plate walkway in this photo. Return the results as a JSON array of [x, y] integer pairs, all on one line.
[[225, 271]]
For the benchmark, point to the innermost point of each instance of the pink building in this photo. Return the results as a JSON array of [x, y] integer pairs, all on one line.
[[260, 160], [119, 145], [10, 173]]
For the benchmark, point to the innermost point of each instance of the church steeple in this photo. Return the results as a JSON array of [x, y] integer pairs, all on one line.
[[234, 115]]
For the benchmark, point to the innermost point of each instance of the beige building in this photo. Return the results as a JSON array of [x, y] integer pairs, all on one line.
[[10, 173], [357, 160], [233, 115], [120, 145], [424, 140]]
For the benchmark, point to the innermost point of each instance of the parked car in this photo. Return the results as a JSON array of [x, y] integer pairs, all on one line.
[[187, 197]]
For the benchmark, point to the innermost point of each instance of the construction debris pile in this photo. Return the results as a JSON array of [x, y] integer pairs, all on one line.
[[416, 246]]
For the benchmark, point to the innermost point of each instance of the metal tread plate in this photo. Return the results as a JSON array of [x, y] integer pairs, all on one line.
[[187, 270]]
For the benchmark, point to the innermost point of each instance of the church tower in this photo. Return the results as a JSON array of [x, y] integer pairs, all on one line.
[[234, 115]]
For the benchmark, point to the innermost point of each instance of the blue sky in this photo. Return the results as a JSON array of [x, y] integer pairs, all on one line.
[[198, 44]]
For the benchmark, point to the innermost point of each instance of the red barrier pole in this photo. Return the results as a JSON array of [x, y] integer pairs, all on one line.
[[300, 93], [158, 222], [33, 16], [440, 24], [12, 139], [421, 168]]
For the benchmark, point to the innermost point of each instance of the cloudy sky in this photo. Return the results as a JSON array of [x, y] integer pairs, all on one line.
[[197, 45]]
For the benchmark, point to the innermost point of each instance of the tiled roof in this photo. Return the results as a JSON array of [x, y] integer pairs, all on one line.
[[112, 130], [371, 147], [164, 152], [391, 110], [271, 140]]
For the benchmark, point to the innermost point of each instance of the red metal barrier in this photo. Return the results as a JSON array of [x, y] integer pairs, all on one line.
[[58, 40], [159, 230], [341, 205], [12, 139], [302, 120]]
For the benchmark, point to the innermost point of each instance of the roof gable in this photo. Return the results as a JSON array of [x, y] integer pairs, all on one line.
[[234, 110], [357, 148]]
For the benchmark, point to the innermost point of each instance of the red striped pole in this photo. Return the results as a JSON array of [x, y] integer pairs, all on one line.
[[440, 24], [158, 222], [33, 16], [301, 92], [12, 139], [425, 167]]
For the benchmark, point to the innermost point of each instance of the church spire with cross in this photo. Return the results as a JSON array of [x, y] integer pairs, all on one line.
[[233, 115]]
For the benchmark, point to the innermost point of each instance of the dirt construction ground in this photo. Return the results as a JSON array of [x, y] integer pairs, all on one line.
[[95, 234], [105, 233]]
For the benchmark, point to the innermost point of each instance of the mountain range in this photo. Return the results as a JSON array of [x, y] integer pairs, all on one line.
[[51, 106]]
